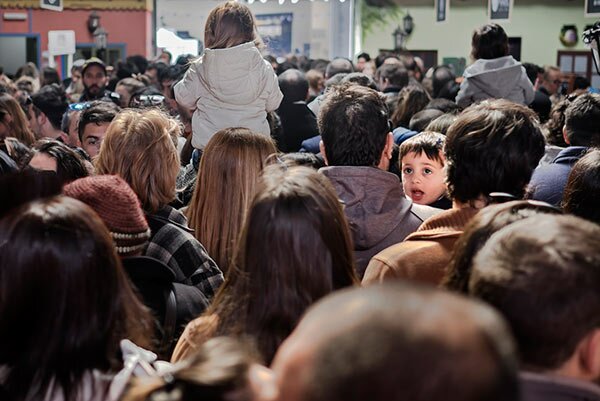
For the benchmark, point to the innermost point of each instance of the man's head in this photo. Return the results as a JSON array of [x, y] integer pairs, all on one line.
[[51, 155], [293, 85], [338, 65], [93, 123], [493, 146], [534, 72], [362, 60], [551, 79], [353, 121], [392, 75], [582, 121], [94, 77], [397, 342], [49, 105], [543, 275]]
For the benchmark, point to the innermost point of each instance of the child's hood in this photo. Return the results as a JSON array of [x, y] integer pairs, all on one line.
[[497, 77], [235, 75]]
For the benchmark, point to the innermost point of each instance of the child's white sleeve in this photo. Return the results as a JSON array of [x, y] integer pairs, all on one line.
[[464, 98], [274, 95], [188, 90]]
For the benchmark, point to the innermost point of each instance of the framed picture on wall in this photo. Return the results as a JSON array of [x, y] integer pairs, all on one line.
[[441, 10], [592, 8], [500, 10]]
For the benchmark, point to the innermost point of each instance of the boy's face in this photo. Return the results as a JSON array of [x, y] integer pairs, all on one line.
[[422, 178], [92, 137]]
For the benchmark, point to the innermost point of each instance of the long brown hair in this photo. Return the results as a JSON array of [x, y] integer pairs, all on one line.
[[66, 301], [411, 100], [18, 126], [139, 147], [230, 24], [229, 170], [295, 248]]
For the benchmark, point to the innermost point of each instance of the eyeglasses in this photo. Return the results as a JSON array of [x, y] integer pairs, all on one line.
[[148, 100], [79, 106]]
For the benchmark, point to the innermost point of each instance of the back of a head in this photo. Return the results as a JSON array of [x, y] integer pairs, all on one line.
[[479, 229], [338, 65], [582, 192], [396, 74], [361, 79], [353, 121], [230, 168], [582, 120], [25, 186], [493, 146], [97, 112], [411, 100], [139, 147], [220, 370], [444, 105], [55, 251], [52, 101], [532, 71], [543, 275], [441, 76], [118, 207], [422, 119], [69, 164], [294, 248], [19, 126], [399, 342], [442, 123], [229, 24], [293, 85], [489, 42]]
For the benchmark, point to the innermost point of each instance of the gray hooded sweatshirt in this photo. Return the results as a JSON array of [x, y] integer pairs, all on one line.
[[378, 212], [499, 78]]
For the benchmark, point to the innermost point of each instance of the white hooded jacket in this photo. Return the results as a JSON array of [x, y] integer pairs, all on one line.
[[233, 87]]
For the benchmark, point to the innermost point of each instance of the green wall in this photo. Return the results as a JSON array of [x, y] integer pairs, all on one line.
[[537, 22]]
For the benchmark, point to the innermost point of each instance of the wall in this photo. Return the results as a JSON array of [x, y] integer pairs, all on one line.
[[130, 27], [537, 22], [311, 21]]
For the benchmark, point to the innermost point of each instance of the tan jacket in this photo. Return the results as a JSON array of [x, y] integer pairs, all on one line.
[[425, 254], [233, 87]]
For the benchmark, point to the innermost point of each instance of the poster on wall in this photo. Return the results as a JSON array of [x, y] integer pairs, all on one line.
[[592, 8], [500, 10], [441, 10]]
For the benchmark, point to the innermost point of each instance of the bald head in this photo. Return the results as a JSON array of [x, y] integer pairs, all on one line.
[[293, 85], [397, 342], [338, 65]]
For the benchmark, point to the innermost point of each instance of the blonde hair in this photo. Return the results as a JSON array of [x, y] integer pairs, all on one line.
[[230, 24], [19, 127], [138, 146], [229, 171]]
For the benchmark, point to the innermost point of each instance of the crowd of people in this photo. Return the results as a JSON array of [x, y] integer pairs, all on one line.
[[238, 227]]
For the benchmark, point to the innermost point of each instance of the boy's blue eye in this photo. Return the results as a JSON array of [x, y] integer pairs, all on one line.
[[407, 170], [428, 171]]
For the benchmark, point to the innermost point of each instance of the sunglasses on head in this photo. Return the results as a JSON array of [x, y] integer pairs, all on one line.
[[79, 106], [148, 100]]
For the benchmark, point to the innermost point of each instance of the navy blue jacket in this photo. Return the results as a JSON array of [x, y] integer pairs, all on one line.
[[548, 182]]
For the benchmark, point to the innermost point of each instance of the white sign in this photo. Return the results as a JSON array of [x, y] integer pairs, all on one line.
[[61, 42], [55, 5]]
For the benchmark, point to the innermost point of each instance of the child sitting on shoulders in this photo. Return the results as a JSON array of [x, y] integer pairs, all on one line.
[[230, 85], [495, 73], [422, 165]]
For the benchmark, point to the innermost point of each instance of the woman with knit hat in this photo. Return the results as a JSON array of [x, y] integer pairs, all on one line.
[[139, 147], [174, 305]]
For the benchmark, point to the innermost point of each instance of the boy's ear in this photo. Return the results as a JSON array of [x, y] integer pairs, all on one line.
[[565, 136]]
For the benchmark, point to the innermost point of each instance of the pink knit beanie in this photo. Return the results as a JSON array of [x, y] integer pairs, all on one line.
[[118, 206]]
